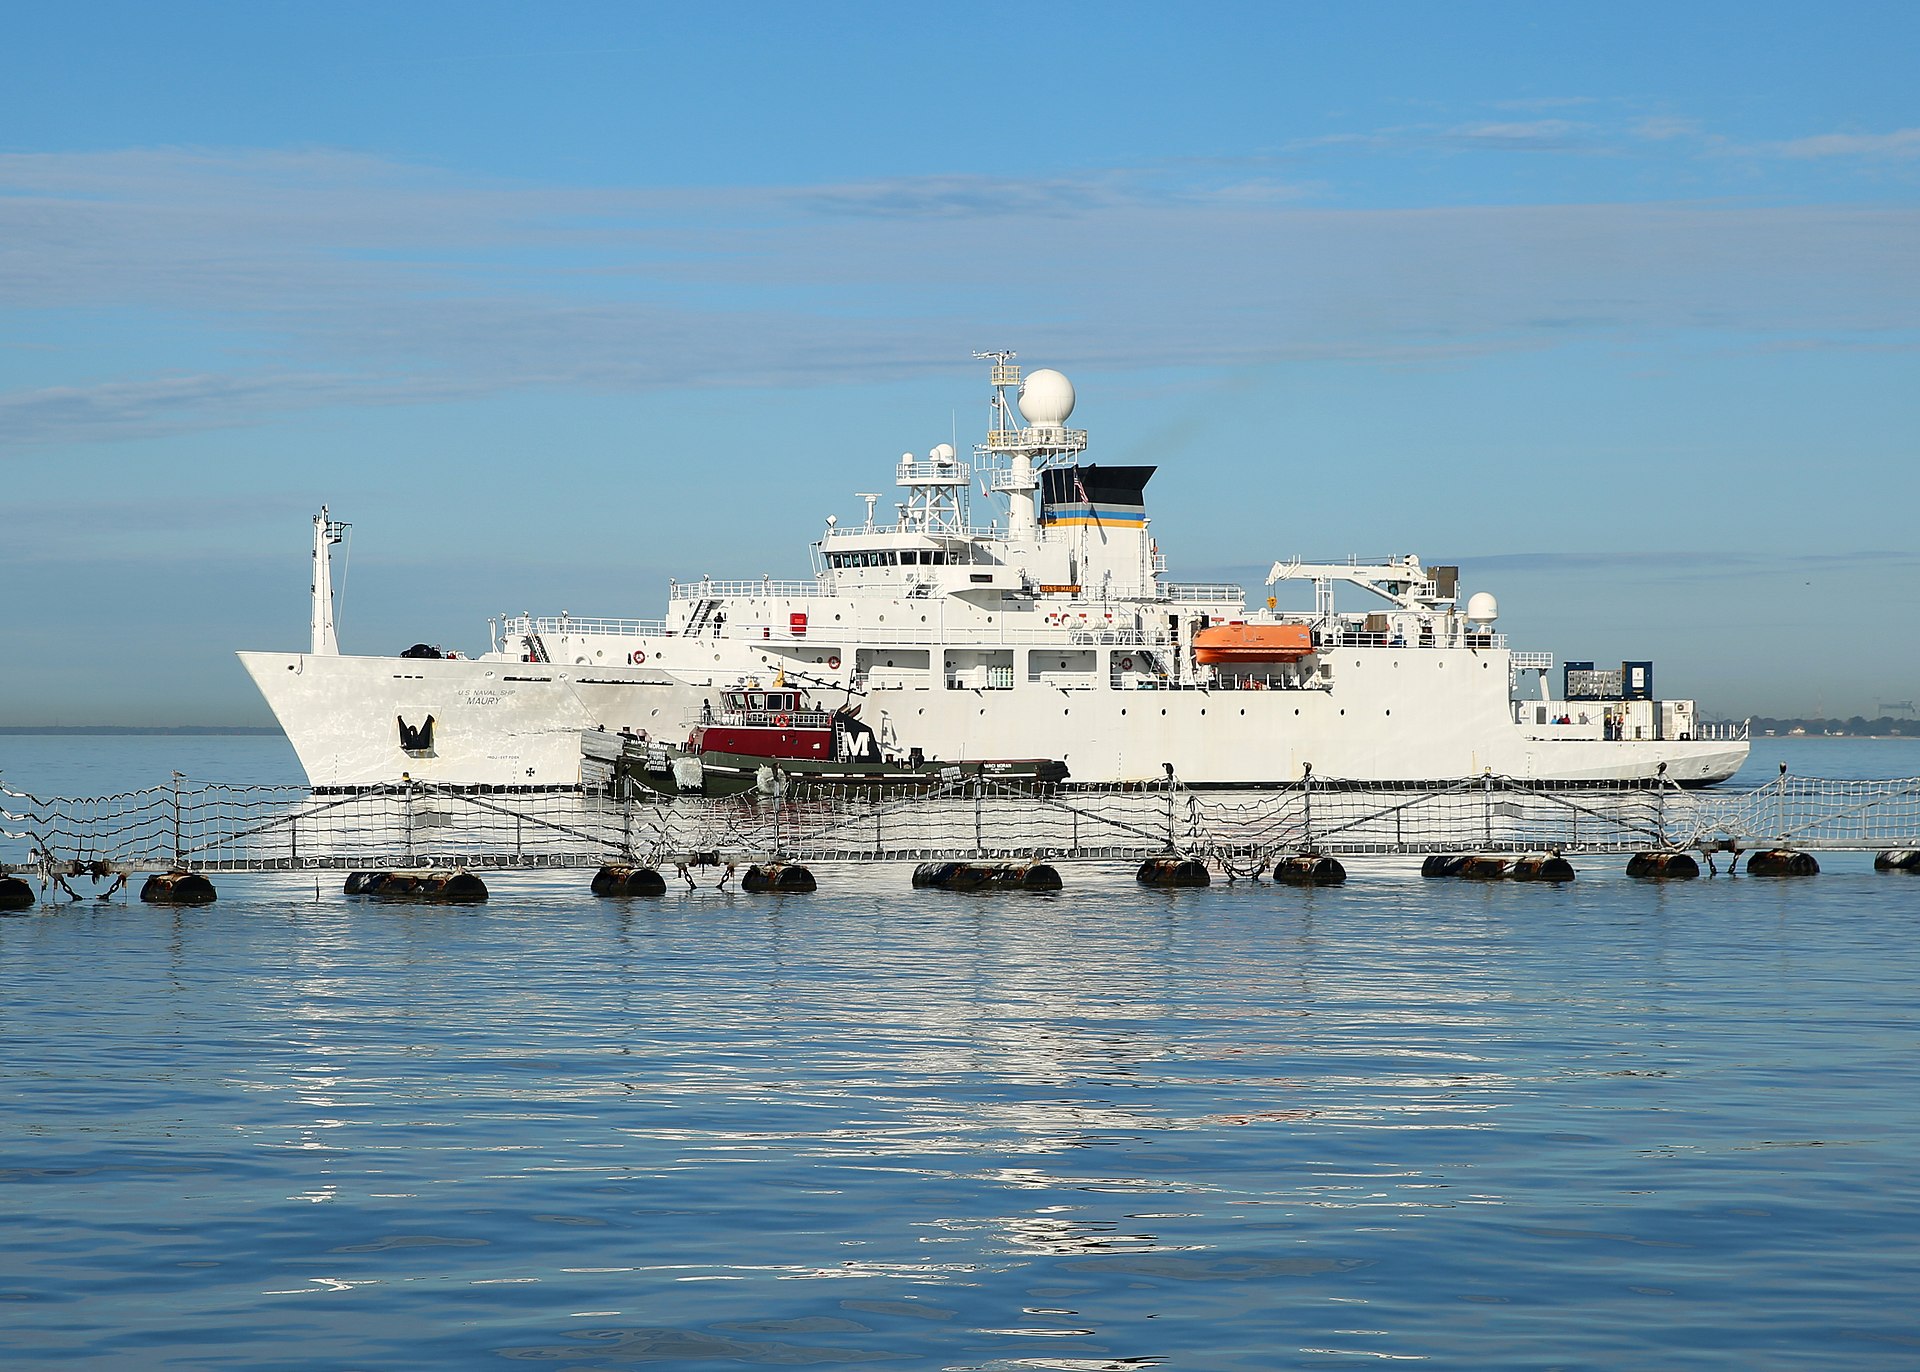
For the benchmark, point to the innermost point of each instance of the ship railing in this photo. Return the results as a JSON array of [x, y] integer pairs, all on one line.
[[765, 586], [879, 636], [564, 625], [1359, 638], [956, 473], [946, 533], [1200, 592], [774, 719], [1724, 731]]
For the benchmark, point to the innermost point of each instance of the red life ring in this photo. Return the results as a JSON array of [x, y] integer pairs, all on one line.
[[782, 721], [833, 664], [1126, 664], [636, 657]]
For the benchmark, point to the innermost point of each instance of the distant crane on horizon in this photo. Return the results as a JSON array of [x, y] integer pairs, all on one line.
[[1888, 707]]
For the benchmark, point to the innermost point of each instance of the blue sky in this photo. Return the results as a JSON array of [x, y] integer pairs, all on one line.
[[1618, 308]]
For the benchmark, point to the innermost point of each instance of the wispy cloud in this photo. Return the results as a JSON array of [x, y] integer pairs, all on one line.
[[1900, 143], [324, 278]]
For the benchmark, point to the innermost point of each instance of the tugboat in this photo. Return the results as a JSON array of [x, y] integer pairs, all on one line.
[[762, 737]]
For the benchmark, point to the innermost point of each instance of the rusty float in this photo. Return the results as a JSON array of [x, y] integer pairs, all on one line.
[[778, 877], [987, 876], [1541, 867], [1309, 869], [441, 886], [1898, 860], [1547, 867], [1173, 871], [1663, 864], [15, 894], [622, 879], [1781, 862], [177, 888]]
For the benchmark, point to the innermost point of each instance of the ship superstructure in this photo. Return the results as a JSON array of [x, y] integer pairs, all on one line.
[[1051, 631]]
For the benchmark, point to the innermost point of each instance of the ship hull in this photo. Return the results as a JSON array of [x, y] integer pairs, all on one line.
[[1393, 717]]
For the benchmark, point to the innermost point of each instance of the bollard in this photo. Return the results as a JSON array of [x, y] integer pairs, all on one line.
[[987, 876], [620, 879], [15, 894], [777, 876], [1541, 867], [1173, 871], [1896, 860], [1478, 867], [1309, 869], [1662, 864], [177, 888], [1443, 865], [1781, 862], [439, 885]]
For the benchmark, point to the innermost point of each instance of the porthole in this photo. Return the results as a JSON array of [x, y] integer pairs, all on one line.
[[1163, 712], [1389, 714], [1203, 712], [1343, 712], [1066, 712], [1296, 709], [1243, 712]]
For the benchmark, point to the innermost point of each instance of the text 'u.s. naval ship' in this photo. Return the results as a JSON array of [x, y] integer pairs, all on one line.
[[1052, 632]]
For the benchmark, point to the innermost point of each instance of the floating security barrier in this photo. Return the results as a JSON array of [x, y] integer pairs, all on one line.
[[620, 879], [777, 876], [1541, 867], [1309, 869], [1898, 860], [1165, 871], [1486, 867], [1781, 862], [15, 894], [1663, 864], [445, 885], [177, 888], [987, 876]]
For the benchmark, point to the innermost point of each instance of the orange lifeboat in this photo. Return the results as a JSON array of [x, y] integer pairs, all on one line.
[[1230, 643]]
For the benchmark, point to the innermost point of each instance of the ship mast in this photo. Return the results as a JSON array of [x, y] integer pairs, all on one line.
[[326, 533], [1026, 446]]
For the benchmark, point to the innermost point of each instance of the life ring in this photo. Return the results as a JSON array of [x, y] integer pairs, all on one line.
[[782, 721], [1126, 664], [637, 658], [833, 664]]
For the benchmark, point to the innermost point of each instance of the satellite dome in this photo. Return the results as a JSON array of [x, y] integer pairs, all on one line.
[[942, 454], [1046, 398], [1482, 608]]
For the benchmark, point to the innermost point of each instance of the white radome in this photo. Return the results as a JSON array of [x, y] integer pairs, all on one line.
[[1482, 608], [1046, 399]]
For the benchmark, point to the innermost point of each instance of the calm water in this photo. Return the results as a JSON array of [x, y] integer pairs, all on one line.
[[1599, 1126]]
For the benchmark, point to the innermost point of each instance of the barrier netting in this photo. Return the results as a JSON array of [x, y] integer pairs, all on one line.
[[260, 828]]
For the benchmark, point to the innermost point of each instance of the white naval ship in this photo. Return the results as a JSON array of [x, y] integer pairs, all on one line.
[[1052, 631]]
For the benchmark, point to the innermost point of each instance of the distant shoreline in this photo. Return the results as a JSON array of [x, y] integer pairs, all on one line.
[[132, 729]]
